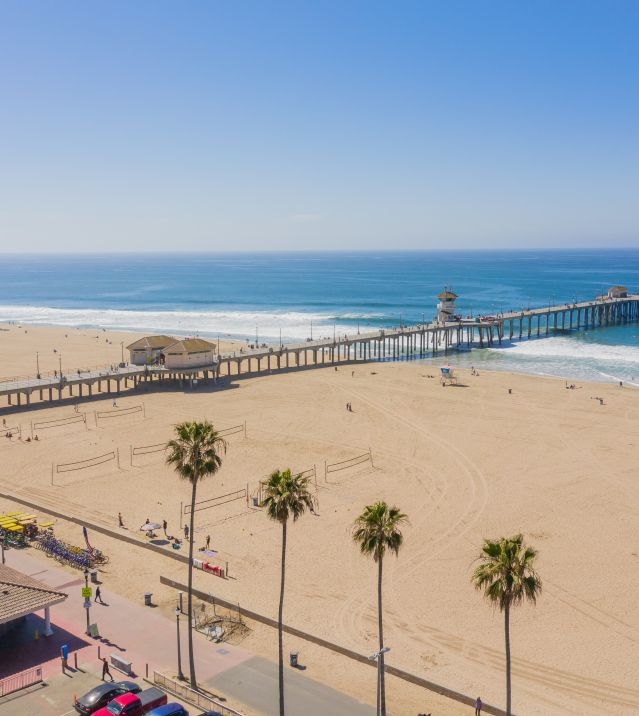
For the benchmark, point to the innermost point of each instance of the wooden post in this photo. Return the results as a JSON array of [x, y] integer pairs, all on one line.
[[51, 473], [370, 453], [117, 456]]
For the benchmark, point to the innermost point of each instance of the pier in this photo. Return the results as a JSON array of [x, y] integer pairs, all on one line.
[[421, 340]]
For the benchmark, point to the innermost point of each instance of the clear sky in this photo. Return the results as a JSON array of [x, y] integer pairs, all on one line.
[[162, 125]]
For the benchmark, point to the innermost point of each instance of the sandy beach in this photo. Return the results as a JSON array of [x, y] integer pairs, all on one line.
[[496, 455]]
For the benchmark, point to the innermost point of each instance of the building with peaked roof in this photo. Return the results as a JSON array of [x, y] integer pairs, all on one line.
[[147, 350], [21, 595], [189, 353], [617, 292]]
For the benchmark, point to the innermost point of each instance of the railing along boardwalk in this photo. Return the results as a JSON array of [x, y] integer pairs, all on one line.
[[419, 340], [196, 698]]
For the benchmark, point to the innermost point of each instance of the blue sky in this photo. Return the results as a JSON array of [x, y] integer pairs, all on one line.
[[354, 125]]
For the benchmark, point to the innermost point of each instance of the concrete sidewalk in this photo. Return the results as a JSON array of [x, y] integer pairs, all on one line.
[[148, 640]]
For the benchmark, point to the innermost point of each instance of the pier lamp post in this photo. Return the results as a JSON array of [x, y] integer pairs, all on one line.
[[87, 600], [179, 652], [311, 330], [38, 365], [122, 352], [60, 358]]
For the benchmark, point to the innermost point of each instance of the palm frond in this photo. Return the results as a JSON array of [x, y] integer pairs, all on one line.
[[377, 529], [196, 450], [506, 573], [288, 496]]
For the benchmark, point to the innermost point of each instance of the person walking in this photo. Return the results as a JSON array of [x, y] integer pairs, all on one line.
[[478, 705], [120, 521], [105, 670], [98, 595], [186, 532], [208, 541], [164, 526]]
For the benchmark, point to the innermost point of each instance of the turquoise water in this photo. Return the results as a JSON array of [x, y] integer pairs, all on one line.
[[239, 295]]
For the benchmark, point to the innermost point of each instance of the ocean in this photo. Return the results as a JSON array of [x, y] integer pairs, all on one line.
[[259, 295]]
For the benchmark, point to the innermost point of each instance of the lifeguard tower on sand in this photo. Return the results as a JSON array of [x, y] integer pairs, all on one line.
[[446, 306]]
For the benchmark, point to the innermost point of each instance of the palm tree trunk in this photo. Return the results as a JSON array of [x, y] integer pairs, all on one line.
[[190, 586], [279, 620], [507, 632], [380, 660]]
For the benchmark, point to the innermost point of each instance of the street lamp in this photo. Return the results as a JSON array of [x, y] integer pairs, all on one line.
[[179, 652], [375, 657], [122, 353], [87, 600], [60, 358]]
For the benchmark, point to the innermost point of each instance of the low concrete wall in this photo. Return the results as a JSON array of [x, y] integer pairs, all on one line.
[[393, 671]]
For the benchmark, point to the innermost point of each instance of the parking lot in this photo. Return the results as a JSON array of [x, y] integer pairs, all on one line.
[[55, 696]]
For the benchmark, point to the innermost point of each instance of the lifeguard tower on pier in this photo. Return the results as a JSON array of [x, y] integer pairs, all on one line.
[[446, 306]]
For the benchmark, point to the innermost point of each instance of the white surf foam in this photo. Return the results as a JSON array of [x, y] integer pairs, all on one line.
[[242, 324], [570, 348]]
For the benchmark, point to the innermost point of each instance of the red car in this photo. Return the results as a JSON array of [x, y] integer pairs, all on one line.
[[134, 704]]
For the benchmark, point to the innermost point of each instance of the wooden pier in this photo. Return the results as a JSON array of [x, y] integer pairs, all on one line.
[[420, 340]]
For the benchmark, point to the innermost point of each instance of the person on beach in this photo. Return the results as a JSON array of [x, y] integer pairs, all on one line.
[[115, 405], [186, 532], [120, 521], [98, 596], [105, 670], [164, 526], [208, 541], [478, 705]]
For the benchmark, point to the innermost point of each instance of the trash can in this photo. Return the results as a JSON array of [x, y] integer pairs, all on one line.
[[293, 658], [256, 502], [147, 599], [94, 576]]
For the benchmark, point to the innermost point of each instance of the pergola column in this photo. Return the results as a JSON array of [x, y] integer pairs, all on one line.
[[48, 631]]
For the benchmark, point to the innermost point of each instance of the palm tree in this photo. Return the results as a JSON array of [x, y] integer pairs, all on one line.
[[376, 530], [507, 576], [194, 453], [287, 496]]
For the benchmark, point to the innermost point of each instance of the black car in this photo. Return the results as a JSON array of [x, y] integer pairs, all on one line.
[[102, 694]]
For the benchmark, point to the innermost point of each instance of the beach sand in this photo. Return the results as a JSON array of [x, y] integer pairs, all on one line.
[[463, 462]]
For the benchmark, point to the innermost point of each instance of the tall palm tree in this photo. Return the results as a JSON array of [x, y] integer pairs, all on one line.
[[194, 453], [376, 530], [507, 576], [287, 497]]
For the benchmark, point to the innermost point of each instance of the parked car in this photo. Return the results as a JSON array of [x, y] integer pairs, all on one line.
[[102, 694], [171, 709], [134, 704]]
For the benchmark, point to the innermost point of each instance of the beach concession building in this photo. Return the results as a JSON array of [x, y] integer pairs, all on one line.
[[617, 292], [20, 596], [147, 350], [189, 353]]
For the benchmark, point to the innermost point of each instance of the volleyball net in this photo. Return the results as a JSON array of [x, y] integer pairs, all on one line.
[[40, 425], [119, 412], [362, 459], [9, 431], [218, 501], [233, 430]]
